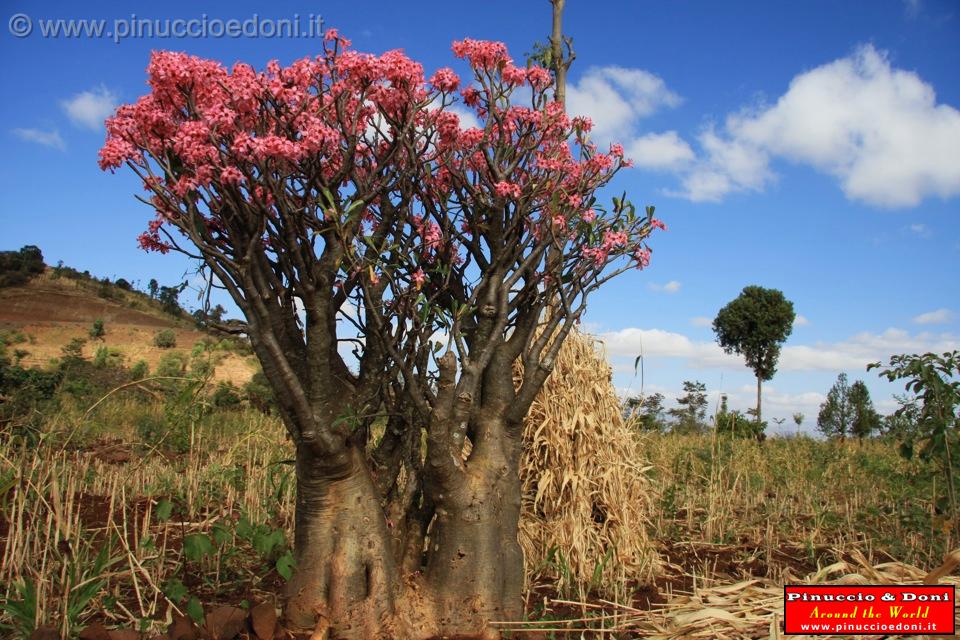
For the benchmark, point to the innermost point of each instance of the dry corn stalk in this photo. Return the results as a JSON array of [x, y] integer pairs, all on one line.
[[585, 493]]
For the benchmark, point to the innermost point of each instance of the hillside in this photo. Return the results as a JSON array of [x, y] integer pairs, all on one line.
[[52, 311]]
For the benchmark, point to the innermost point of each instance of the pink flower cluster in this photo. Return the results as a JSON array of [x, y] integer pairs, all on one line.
[[482, 54], [507, 190]]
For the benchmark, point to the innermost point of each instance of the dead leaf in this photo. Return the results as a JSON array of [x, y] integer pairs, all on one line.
[[224, 623], [45, 633], [264, 619], [182, 628]]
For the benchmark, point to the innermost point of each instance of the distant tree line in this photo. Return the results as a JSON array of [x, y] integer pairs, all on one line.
[[18, 267]]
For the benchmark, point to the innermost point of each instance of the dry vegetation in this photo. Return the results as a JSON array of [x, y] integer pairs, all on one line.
[[111, 515]]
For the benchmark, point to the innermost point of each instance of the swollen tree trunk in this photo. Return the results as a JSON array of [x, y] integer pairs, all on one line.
[[345, 583], [474, 563]]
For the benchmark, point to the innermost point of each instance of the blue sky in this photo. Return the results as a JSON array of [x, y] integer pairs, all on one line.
[[812, 147]]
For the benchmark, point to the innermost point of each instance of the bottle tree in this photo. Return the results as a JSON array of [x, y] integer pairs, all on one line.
[[345, 186], [754, 325]]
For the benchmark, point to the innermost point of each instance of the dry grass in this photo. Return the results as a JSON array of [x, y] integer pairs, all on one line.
[[586, 495]]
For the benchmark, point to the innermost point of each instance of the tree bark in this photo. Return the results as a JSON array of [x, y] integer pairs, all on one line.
[[475, 563], [345, 583], [759, 419]]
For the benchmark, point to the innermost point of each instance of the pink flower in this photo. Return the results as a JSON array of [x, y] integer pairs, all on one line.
[[507, 189], [616, 150], [642, 256], [589, 215], [418, 278], [445, 80], [658, 224], [582, 123], [539, 78], [231, 175]]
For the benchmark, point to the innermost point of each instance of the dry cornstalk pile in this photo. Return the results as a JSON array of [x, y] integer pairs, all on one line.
[[750, 609], [585, 492]]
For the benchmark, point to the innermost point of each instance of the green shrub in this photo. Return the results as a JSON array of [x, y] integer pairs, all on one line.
[[108, 357], [165, 339], [140, 370], [172, 364], [97, 330], [226, 396]]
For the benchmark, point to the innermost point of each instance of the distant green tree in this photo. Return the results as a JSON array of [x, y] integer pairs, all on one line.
[[754, 325], [865, 420], [168, 300], [690, 414], [836, 415], [123, 284], [153, 288], [798, 419], [18, 267], [646, 412], [736, 424]]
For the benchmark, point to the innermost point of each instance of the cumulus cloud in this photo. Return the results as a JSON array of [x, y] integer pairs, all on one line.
[[90, 108], [616, 98], [800, 321], [853, 353], [877, 129], [671, 287], [940, 316], [701, 321], [40, 136], [660, 151]]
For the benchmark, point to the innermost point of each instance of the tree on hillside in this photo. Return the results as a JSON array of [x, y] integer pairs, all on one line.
[[338, 200], [864, 420], [691, 411], [754, 325], [18, 267], [836, 415], [153, 288]]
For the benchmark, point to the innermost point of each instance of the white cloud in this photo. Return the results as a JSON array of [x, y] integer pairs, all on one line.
[[940, 316], [671, 287], [39, 136], [800, 321], [853, 353], [659, 151], [701, 321], [876, 129], [90, 108], [615, 98]]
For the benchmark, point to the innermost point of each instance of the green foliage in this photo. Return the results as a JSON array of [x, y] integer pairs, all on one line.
[[865, 420], [754, 325], [97, 330], [23, 610], [935, 381], [736, 424], [226, 396], [168, 299], [18, 267], [72, 352], [165, 339], [848, 411], [690, 415], [140, 370], [646, 413], [108, 357], [259, 394]]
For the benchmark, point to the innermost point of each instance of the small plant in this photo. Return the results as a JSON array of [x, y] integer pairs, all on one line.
[[139, 370], [108, 357], [165, 339], [97, 330]]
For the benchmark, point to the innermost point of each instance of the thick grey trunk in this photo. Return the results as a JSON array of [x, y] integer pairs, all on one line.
[[345, 579], [475, 564]]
